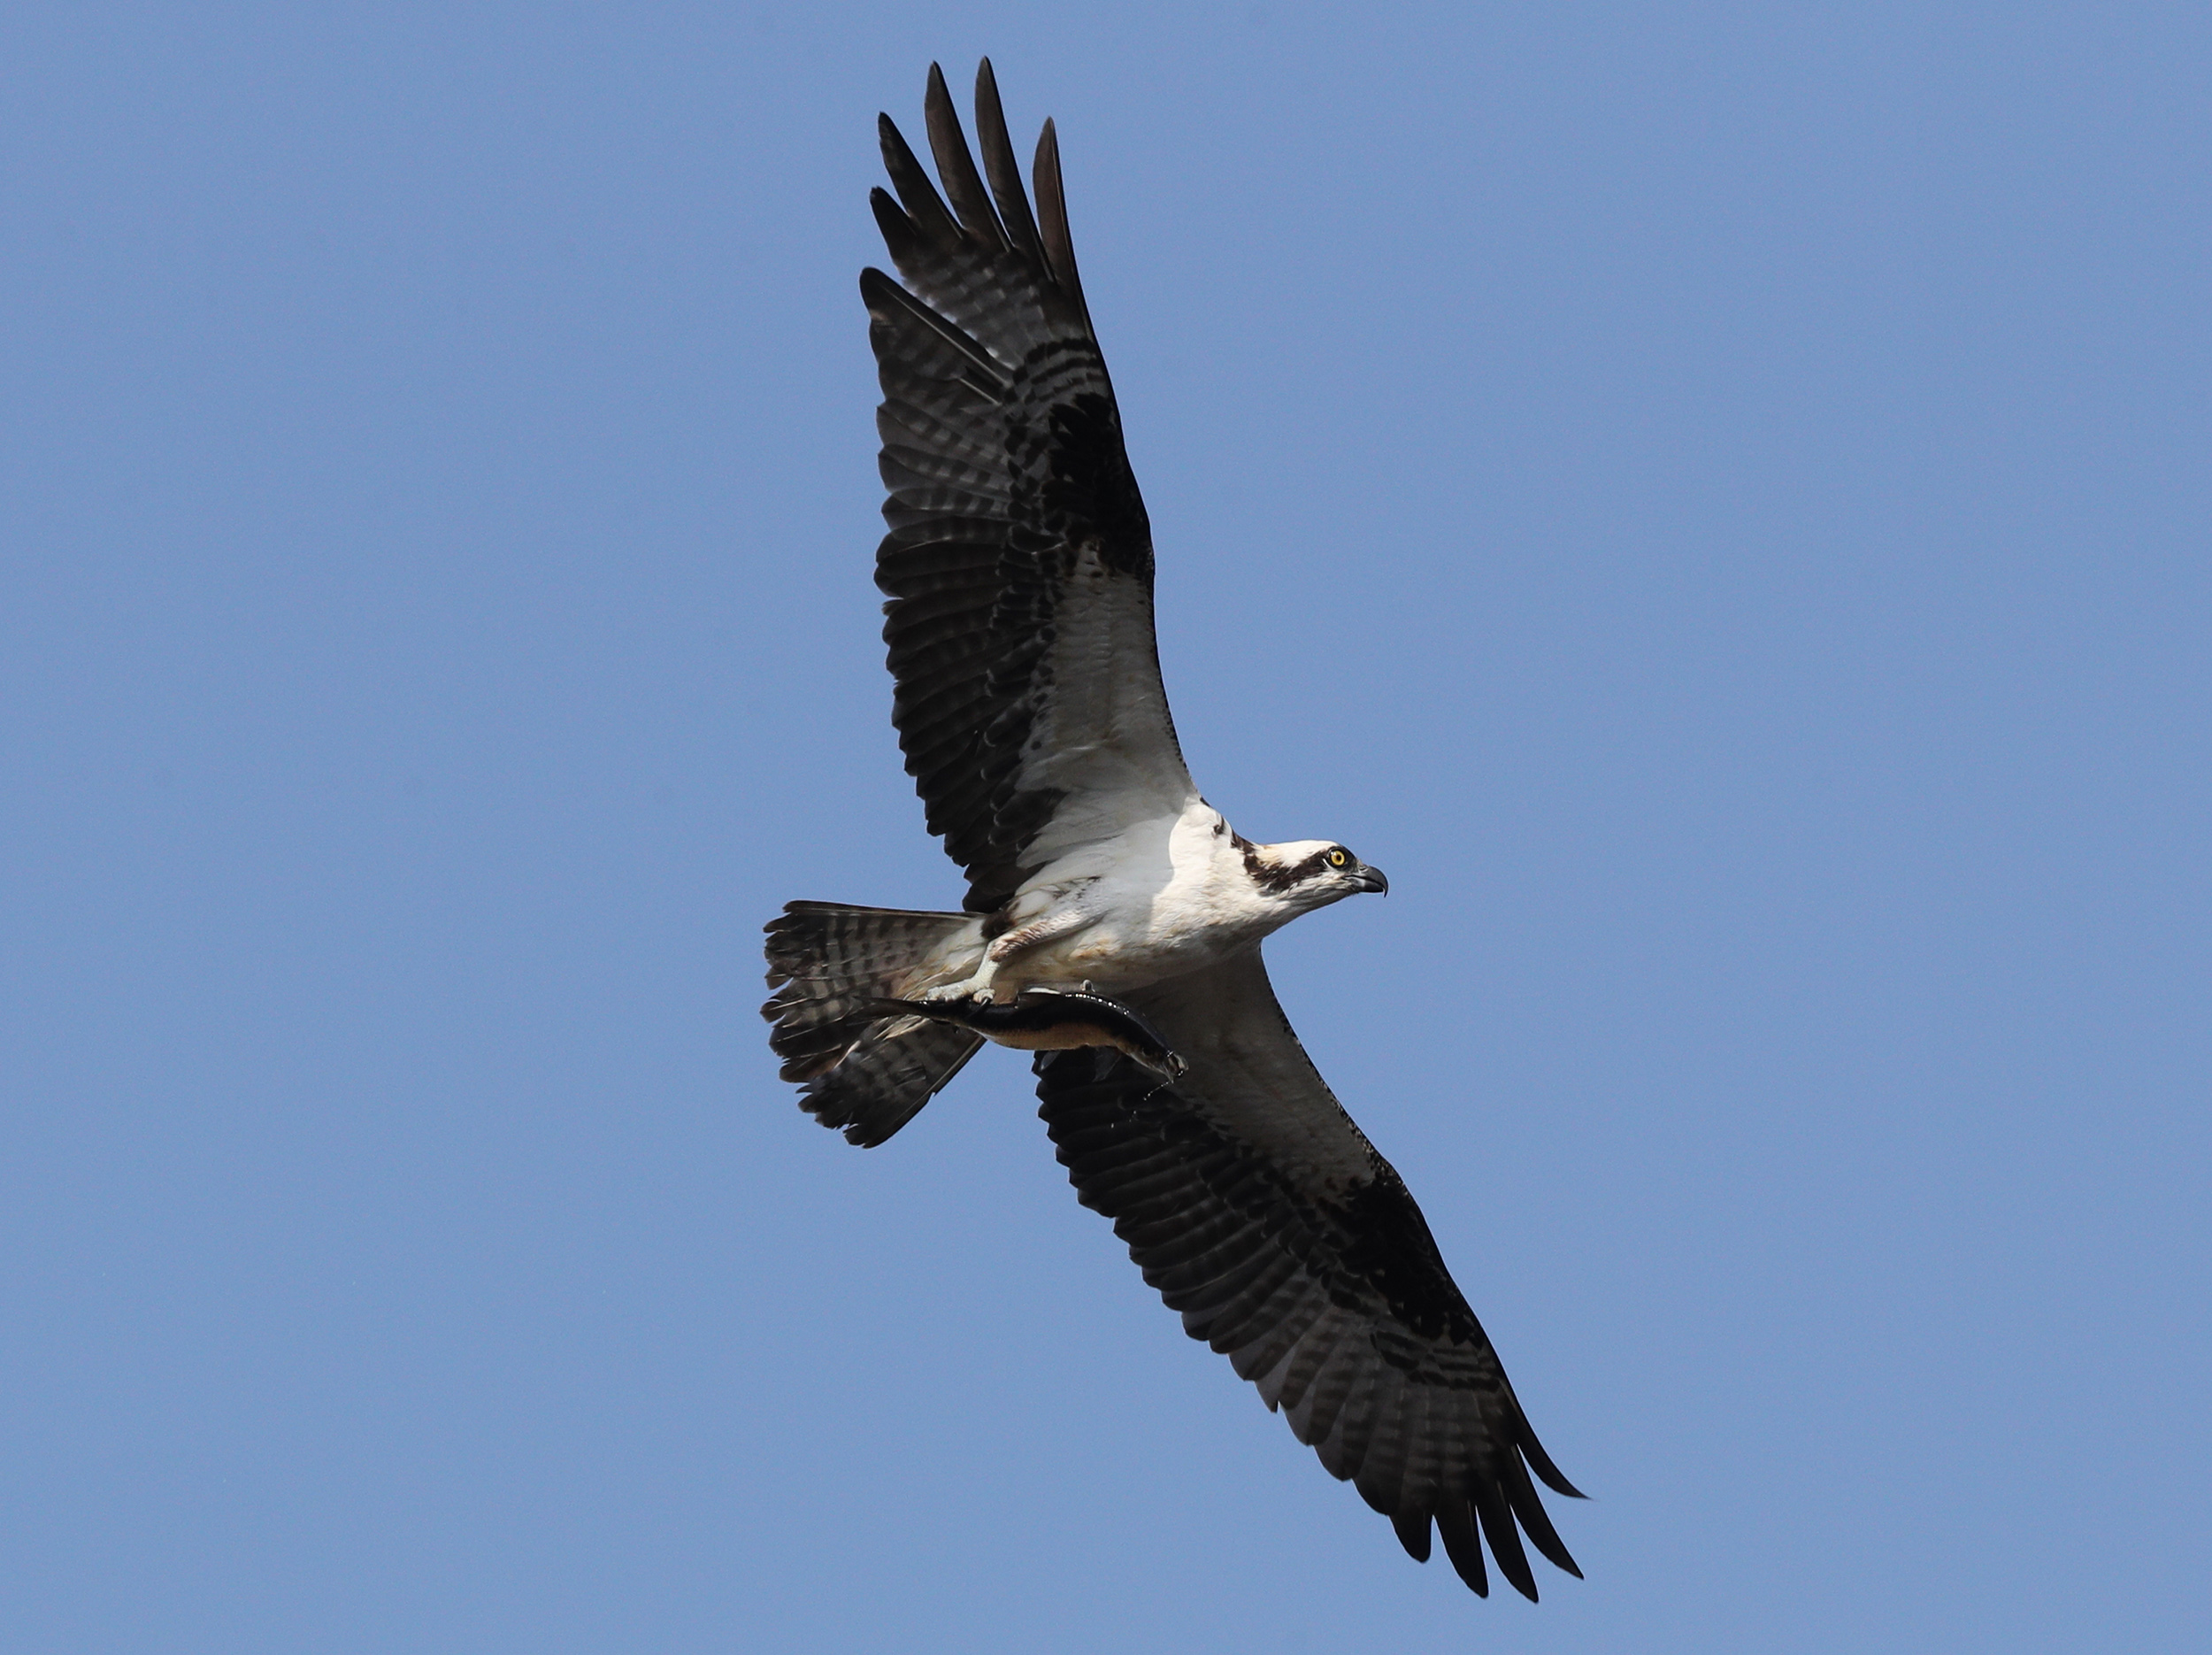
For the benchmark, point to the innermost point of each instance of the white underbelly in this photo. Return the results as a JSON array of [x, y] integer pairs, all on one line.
[[1132, 936]]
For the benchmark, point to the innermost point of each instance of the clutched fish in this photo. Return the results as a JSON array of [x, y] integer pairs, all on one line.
[[1051, 1019]]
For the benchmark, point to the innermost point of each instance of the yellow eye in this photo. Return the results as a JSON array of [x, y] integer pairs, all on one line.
[[1336, 858]]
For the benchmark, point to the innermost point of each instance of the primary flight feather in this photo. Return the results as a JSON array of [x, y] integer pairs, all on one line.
[[1113, 918]]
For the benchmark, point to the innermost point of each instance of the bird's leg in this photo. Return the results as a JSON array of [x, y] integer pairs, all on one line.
[[977, 987], [1049, 928]]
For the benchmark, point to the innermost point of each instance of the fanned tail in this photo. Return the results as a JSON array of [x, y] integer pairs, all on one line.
[[832, 967]]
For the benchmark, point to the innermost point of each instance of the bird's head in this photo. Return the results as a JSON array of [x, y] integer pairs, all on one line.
[[1308, 874]]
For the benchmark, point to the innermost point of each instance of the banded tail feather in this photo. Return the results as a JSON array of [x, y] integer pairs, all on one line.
[[866, 1071]]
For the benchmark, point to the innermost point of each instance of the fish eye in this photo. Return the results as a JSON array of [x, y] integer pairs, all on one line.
[[1337, 857]]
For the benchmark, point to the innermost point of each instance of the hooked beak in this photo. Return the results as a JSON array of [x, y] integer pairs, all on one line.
[[1371, 879]]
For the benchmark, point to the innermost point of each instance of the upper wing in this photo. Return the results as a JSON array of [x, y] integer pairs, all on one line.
[[1263, 1213], [1019, 561]]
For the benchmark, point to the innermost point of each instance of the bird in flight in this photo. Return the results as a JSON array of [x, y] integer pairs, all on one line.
[[1113, 918]]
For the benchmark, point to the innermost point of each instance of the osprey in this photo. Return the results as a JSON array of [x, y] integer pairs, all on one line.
[[1114, 919]]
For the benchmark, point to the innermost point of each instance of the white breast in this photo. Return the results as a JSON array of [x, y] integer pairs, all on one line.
[[1162, 898]]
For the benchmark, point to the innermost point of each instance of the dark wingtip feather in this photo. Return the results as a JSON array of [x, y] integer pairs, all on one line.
[[1521, 1494], [910, 178], [1540, 1463], [1052, 215], [1504, 1536], [1546, 1538], [1456, 1524], [999, 164], [899, 236], [956, 166], [1413, 1533]]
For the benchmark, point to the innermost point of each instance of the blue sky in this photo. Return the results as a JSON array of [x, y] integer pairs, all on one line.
[[1712, 498]]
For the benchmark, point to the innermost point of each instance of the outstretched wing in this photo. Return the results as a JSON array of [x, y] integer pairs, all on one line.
[[1261, 1213], [1019, 561]]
